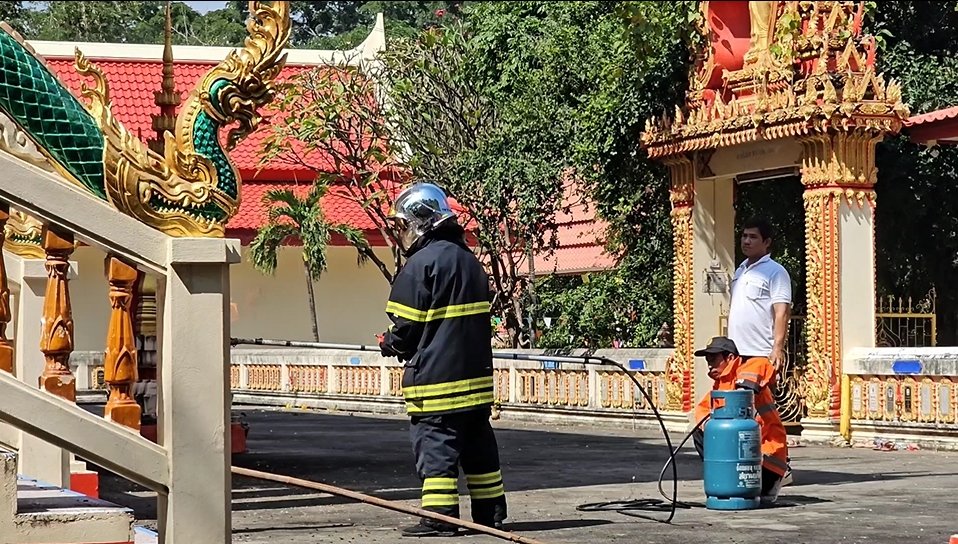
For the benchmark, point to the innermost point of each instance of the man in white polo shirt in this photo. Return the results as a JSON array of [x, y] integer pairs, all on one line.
[[761, 298], [761, 304]]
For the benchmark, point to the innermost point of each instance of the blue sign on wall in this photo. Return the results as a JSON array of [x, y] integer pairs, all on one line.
[[636, 364], [907, 366], [355, 360]]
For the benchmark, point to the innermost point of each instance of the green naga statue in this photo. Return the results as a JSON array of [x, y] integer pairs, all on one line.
[[190, 190]]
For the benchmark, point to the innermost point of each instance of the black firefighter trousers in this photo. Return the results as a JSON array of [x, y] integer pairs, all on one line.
[[441, 444]]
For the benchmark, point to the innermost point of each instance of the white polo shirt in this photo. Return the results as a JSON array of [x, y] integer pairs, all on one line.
[[751, 319]]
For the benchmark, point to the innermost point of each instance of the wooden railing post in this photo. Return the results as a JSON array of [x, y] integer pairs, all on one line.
[[6, 348], [56, 337], [119, 365]]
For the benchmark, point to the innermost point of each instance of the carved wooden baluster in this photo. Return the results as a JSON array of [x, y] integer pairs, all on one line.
[[120, 370], [56, 336], [6, 348]]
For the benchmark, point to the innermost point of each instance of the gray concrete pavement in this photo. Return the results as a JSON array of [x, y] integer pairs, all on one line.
[[840, 495]]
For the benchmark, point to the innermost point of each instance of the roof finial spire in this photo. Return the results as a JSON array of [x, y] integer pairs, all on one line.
[[166, 98]]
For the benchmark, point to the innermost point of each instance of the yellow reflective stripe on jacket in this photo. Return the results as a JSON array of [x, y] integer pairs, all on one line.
[[447, 388], [425, 406], [423, 316]]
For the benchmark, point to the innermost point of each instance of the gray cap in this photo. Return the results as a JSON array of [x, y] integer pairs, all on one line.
[[718, 344]]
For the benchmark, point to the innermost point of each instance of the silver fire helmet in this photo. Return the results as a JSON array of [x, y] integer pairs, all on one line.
[[420, 208]]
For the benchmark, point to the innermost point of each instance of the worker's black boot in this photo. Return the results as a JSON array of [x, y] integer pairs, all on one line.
[[428, 527]]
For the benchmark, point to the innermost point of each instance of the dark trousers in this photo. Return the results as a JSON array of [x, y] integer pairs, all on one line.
[[769, 478], [444, 443]]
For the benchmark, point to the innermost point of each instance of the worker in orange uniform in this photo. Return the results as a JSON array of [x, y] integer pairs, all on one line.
[[728, 372]]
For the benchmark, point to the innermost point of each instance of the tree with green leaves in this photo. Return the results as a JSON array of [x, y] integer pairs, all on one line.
[[916, 224], [130, 22], [584, 77], [330, 120], [293, 219], [508, 103], [477, 143]]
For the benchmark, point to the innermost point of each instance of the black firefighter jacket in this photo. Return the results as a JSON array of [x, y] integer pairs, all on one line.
[[439, 306]]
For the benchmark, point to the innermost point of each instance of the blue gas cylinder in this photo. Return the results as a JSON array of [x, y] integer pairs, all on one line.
[[732, 453]]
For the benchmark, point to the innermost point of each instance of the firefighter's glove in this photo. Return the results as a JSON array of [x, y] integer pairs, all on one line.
[[384, 348]]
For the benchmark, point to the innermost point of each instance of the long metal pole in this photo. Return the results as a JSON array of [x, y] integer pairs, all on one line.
[[498, 354], [382, 503]]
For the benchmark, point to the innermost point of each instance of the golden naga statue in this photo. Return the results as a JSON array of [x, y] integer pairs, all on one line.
[[193, 189]]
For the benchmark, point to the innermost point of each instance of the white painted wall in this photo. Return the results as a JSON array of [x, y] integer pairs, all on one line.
[[713, 251], [350, 299], [856, 267]]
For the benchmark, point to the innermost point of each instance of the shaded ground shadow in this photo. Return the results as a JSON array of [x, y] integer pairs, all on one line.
[[553, 525], [373, 456]]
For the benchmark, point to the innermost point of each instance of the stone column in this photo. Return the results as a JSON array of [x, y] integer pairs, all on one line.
[[713, 265], [703, 219], [839, 173], [194, 396], [37, 458]]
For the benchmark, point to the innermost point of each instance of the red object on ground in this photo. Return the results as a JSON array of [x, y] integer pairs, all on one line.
[[953, 539], [86, 482]]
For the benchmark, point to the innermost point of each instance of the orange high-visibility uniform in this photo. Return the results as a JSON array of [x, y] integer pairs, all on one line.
[[756, 374]]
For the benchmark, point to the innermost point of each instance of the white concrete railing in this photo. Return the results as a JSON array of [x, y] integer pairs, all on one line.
[[910, 393], [358, 381], [189, 467], [885, 400]]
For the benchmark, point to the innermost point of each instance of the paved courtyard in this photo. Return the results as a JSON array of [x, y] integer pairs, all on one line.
[[840, 495]]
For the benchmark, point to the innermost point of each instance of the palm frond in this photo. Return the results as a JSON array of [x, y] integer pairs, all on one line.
[[356, 238], [266, 244], [315, 237], [284, 196]]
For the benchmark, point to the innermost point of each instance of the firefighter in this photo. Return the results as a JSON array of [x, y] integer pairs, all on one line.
[[439, 306], [729, 371]]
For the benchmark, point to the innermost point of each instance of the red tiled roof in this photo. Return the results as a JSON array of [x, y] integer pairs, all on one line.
[[338, 206], [132, 84], [580, 235], [939, 126], [932, 116]]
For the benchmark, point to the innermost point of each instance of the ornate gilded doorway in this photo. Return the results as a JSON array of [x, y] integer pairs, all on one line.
[[779, 88]]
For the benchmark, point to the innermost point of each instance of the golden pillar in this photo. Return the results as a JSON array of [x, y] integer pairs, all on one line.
[[680, 374], [6, 348], [56, 337], [119, 364], [839, 174]]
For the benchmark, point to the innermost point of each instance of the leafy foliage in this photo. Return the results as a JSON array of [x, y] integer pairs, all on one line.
[[330, 120], [486, 145], [917, 214], [344, 24], [588, 75]]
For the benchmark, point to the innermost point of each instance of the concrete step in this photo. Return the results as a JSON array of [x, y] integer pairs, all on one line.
[[33, 512], [142, 535]]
